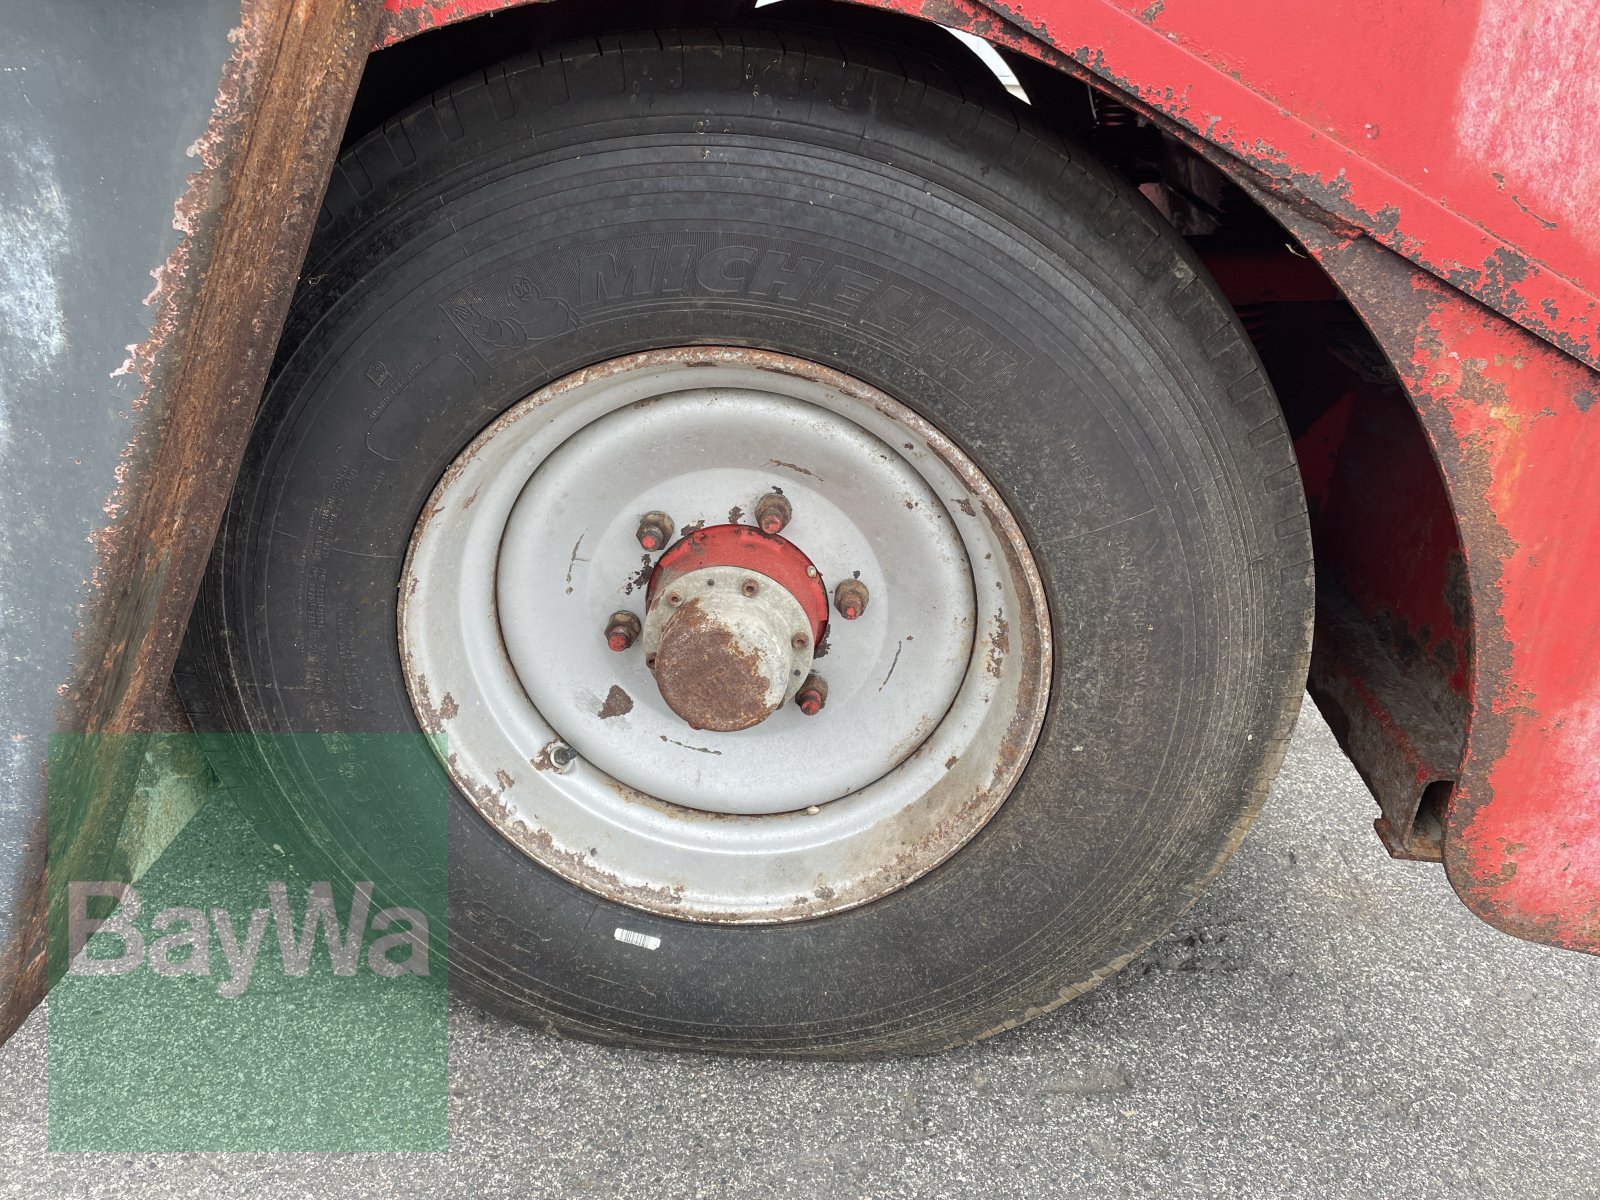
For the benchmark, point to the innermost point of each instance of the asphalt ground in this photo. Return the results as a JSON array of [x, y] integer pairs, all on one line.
[[1325, 1022]]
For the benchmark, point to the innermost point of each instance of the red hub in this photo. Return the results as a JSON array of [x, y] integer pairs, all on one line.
[[734, 616], [747, 548]]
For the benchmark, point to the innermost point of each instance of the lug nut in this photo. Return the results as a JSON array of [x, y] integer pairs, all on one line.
[[813, 694], [773, 512], [655, 531], [622, 630], [749, 587], [850, 598]]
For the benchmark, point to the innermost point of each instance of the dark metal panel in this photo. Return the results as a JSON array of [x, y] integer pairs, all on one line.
[[184, 145], [99, 104]]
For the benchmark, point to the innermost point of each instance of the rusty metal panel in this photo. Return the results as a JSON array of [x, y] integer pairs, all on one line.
[[1515, 425], [98, 106], [1458, 134], [186, 144]]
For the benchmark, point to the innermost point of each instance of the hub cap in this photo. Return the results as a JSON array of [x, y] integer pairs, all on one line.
[[726, 657], [738, 759]]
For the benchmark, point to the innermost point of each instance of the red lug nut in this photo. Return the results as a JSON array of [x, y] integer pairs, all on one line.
[[850, 598], [813, 694], [622, 630], [655, 531], [773, 512]]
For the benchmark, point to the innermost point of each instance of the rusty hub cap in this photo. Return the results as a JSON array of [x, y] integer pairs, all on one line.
[[674, 725], [734, 615], [724, 662]]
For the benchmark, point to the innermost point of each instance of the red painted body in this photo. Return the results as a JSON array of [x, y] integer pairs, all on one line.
[[1517, 420], [1438, 159]]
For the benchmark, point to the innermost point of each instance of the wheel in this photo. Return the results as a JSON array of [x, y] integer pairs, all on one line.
[[850, 555]]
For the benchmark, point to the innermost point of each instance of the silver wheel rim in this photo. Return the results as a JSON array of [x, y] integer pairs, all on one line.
[[935, 694]]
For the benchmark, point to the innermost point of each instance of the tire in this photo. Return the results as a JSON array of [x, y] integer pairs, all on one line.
[[1077, 352]]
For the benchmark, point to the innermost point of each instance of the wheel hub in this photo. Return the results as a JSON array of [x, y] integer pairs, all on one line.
[[733, 619]]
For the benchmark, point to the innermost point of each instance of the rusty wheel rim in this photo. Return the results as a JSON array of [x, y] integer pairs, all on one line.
[[537, 721]]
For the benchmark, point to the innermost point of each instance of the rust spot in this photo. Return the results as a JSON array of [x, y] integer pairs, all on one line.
[[707, 677], [569, 864], [798, 470], [639, 579], [428, 714], [965, 506], [735, 515], [448, 708], [999, 645], [618, 703]]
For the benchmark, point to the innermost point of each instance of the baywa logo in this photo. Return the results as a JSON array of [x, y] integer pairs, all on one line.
[[177, 941]]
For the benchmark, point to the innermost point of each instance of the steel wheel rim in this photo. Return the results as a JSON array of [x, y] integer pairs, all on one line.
[[556, 777]]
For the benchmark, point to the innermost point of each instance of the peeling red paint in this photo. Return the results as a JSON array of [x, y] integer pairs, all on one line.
[[1375, 129], [1523, 839], [1516, 430], [407, 18]]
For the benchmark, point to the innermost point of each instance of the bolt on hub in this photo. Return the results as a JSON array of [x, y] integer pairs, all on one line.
[[655, 531], [813, 694], [622, 630], [850, 598], [773, 512]]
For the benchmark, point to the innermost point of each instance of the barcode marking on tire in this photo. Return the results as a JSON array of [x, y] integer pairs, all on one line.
[[636, 939]]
